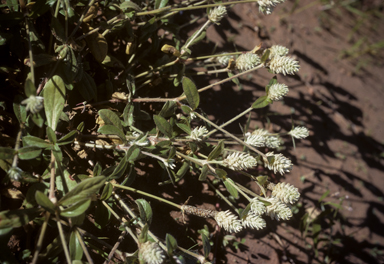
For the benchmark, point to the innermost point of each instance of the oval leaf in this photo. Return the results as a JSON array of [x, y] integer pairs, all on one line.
[[54, 99], [145, 210], [76, 209], [68, 138], [110, 118], [171, 244], [75, 249], [206, 245], [216, 152], [107, 191], [51, 135], [204, 173], [6, 153], [30, 152], [261, 102], [191, 92], [44, 202], [112, 130], [230, 188], [35, 141], [163, 125]]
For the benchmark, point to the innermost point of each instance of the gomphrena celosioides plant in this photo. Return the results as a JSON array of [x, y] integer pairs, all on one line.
[[80, 78]]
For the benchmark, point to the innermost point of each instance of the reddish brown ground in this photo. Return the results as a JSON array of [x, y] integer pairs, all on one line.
[[340, 104]]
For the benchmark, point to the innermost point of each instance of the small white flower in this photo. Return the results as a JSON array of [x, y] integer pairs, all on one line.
[[169, 163], [198, 132], [254, 221], [285, 65], [266, 6], [228, 221], [278, 210], [33, 103], [224, 60], [217, 14], [239, 161], [277, 91], [14, 173], [262, 138], [299, 132], [192, 115], [277, 51], [247, 61], [257, 206], [280, 164], [286, 193], [151, 253]]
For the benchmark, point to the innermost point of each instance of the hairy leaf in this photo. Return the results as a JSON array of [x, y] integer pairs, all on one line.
[[54, 99]]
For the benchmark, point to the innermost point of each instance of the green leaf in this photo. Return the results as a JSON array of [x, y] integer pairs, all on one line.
[[68, 138], [97, 169], [182, 171], [112, 130], [18, 218], [261, 102], [324, 196], [230, 188], [30, 201], [44, 202], [245, 212], [262, 179], [191, 93], [145, 211], [171, 244], [51, 135], [107, 191], [87, 87], [76, 209], [128, 114], [30, 152], [6, 153], [206, 245], [144, 234], [160, 3], [204, 173], [35, 141], [265, 56], [168, 109], [102, 215], [110, 118], [216, 152], [57, 29], [71, 68], [19, 109], [75, 249], [129, 5], [113, 62], [221, 173], [29, 88], [54, 99], [83, 191], [163, 125], [184, 127], [133, 153], [120, 169], [38, 119]]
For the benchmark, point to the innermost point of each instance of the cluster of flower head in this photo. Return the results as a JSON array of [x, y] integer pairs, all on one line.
[[34, 103], [239, 161], [262, 138], [217, 14], [280, 63], [279, 163], [278, 208], [151, 253], [198, 133]]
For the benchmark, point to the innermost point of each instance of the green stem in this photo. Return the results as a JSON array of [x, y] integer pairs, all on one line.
[[97, 29], [17, 146], [230, 121], [222, 196], [41, 238], [82, 18], [62, 238], [85, 250], [214, 56], [146, 194], [52, 197], [156, 69], [229, 134], [51, 36], [30, 51], [197, 34]]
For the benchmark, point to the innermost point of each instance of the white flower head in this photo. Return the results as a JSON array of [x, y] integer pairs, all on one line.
[[198, 132], [278, 210], [266, 6], [277, 51], [34, 103], [280, 164], [257, 206], [217, 14], [299, 132], [239, 161], [228, 221], [277, 91], [286, 193], [192, 115], [169, 163], [262, 138], [151, 253], [254, 221], [285, 65], [14, 173], [247, 61], [224, 60]]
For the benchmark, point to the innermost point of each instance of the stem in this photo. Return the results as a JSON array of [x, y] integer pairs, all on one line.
[[62, 238], [147, 194], [158, 68], [52, 197], [82, 18], [214, 56], [41, 238], [30, 51], [229, 134], [206, 25], [97, 29], [51, 36], [17, 146], [121, 237], [85, 250], [230, 121], [222, 196]]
